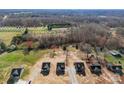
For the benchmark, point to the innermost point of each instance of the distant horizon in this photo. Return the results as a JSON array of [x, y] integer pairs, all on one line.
[[79, 12], [61, 4], [60, 9]]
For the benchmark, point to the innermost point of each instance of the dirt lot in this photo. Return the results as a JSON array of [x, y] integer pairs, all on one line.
[[70, 76], [52, 78], [90, 78]]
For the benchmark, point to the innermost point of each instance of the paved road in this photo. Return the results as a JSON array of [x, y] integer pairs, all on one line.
[[72, 75]]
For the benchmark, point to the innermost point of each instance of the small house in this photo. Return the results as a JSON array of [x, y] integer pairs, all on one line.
[[15, 75], [60, 69], [96, 69], [80, 68], [45, 69]]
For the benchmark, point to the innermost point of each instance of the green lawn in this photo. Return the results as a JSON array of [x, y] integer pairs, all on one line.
[[7, 33], [17, 59], [7, 36], [113, 59]]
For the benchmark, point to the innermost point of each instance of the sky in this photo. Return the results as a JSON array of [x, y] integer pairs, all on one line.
[[61, 4]]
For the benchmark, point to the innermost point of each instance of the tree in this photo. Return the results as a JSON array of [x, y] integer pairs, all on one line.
[[11, 48], [49, 27], [120, 31], [86, 48], [2, 47], [113, 43]]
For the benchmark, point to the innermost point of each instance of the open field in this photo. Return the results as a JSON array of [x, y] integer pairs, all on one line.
[[31, 29], [18, 59], [7, 33], [7, 36], [22, 29]]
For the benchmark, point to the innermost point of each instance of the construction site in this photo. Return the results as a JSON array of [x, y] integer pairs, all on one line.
[[61, 48], [67, 67]]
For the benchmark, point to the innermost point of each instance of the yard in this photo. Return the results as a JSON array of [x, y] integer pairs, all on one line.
[[114, 60], [17, 59]]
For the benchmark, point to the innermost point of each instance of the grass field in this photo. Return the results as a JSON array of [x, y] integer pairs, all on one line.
[[7, 36], [17, 59], [114, 60], [7, 33], [15, 29]]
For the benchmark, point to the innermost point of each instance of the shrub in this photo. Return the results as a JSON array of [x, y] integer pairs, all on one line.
[[11, 48], [2, 47]]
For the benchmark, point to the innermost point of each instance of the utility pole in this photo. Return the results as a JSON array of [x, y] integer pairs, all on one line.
[[66, 60]]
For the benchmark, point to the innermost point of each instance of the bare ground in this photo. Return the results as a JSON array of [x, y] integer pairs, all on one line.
[[52, 78], [89, 78], [70, 76]]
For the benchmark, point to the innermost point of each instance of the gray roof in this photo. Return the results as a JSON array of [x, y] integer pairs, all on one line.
[[114, 52]]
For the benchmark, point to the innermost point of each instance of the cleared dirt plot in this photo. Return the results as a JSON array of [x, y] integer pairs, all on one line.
[[36, 77], [114, 77], [90, 78], [122, 79], [70, 76], [81, 79]]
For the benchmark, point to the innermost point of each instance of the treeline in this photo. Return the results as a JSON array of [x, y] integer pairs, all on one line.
[[120, 31], [93, 34], [30, 21]]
